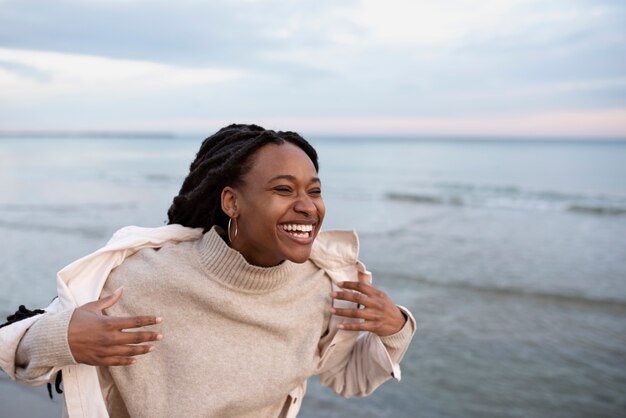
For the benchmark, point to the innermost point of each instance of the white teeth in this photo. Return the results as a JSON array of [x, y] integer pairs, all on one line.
[[298, 230], [298, 227]]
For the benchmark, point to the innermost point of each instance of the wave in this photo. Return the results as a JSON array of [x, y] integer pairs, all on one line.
[[88, 232], [60, 208], [473, 187], [163, 178], [597, 210], [511, 197], [407, 197], [509, 291]]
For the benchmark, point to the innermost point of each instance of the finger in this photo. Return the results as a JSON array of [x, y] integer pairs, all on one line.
[[106, 302], [357, 298], [129, 350], [365, 277], [117, 361], [366, 314], [128, 322], [136, 337], [364, 288], [357, 326]]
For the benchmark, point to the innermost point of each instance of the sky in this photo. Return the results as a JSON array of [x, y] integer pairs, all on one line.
[[442, 67]]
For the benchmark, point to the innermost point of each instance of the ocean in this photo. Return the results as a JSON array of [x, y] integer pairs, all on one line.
[[511, 254]]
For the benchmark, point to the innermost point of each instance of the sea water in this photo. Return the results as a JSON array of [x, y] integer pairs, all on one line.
[[511, 255]]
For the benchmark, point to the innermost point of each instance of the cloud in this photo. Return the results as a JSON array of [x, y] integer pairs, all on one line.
[[116, 62], [28, 75], [457, 23], [187, 33]]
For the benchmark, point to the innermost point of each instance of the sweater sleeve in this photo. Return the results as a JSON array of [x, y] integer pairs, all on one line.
[[397, 344], [357, 368], [44, 346]]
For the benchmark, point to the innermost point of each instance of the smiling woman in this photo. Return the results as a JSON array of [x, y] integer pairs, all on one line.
[[238, 301], [278, 209]]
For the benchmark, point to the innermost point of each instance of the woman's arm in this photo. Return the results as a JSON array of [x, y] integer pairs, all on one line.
[[358, 367], [101, 340], [43, 346], [83, 335]]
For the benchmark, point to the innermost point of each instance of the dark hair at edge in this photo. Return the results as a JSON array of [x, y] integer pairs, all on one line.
[[223, 160]]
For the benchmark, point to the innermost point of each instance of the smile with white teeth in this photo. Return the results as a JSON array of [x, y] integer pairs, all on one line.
[[298, 230]]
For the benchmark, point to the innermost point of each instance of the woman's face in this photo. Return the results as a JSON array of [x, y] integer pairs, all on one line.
[[279, 206]]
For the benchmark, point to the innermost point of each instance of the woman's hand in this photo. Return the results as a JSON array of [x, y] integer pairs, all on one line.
[[381, 316], [99, 340]]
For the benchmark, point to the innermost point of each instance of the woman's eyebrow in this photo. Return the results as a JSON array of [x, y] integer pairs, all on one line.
[[291, 178]]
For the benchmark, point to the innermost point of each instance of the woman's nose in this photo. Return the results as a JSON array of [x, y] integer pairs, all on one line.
[[305, 206]]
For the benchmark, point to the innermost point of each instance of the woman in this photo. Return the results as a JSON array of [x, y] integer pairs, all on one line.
[[253, 300]]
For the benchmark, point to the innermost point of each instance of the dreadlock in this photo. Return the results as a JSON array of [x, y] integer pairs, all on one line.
[[223, 160]]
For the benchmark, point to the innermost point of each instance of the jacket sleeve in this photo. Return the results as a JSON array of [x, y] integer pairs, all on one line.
[[355, 364]]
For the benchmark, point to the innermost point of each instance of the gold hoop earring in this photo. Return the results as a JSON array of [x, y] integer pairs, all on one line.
[[229, 228]]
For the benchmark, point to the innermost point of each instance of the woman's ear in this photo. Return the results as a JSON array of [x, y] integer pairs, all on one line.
[[229, 202]]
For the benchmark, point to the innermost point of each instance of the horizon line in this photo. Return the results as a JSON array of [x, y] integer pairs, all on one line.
[[146, 134]]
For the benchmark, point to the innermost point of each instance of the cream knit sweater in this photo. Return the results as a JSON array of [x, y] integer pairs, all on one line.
[[237, 338]]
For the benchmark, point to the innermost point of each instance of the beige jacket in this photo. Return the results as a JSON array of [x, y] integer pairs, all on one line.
[[351, 364]]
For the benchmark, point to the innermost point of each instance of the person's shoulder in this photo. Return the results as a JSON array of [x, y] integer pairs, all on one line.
[[131, 236], [153, 261], [166, 254]]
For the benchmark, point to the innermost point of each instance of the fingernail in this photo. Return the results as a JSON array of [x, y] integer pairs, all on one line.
[[133, 361], [159, 337], [340, 326], [151, 349], [340, 284], [333, 310], [333, 294], [158, 320]]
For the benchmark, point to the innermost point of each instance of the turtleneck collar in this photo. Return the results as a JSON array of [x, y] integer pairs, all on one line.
[[228, 266]]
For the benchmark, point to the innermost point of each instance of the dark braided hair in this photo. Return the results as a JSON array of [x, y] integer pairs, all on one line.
[[223, 160]]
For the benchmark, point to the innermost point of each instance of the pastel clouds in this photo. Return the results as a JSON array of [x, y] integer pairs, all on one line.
[[36, 74], [459, 67]]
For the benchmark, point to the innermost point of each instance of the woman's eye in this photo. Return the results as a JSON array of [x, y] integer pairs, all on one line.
[[315, 192], [282, 189]]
